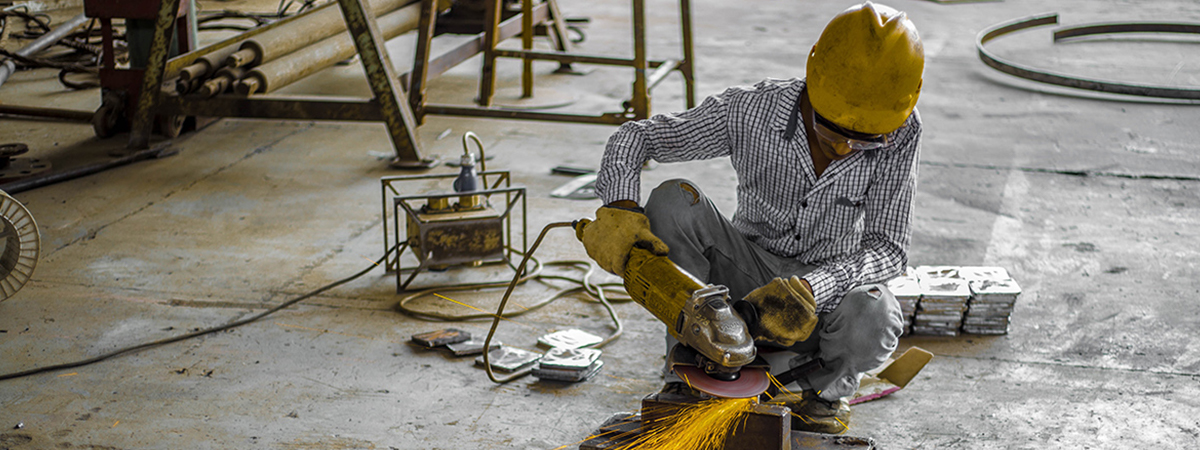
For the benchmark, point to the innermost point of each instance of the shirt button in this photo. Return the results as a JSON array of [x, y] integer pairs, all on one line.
[[797, 237], [803, 203]]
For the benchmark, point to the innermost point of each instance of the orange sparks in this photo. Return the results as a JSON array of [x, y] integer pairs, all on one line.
[[703, 426]]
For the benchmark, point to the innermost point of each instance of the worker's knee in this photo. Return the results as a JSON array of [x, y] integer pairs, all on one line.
[[870, 321], [672, 200], [676, 193]]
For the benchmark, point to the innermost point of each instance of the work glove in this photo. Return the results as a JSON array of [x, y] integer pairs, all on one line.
[[615, 232], [782, 312]]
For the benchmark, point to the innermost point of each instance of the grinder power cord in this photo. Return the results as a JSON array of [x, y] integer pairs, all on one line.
[[716, 353]]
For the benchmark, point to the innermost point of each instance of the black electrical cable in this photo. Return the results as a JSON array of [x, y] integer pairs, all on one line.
[[187, 336]]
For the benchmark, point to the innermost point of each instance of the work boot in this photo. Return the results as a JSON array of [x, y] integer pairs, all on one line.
[[815, 414]]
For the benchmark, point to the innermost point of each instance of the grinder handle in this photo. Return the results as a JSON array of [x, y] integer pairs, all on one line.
[[578, 225]]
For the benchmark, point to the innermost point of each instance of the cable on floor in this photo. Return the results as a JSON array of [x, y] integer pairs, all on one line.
[[182, 337], [595, 291]]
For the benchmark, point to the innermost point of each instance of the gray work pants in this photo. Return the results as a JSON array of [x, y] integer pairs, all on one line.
[[857, 336]]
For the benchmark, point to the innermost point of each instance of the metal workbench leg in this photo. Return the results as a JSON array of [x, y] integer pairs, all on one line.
[[558, 26], [160, 46], [688, 68], [393, 101], [420, 70], [491, 38], [527, 45], [641, 92]]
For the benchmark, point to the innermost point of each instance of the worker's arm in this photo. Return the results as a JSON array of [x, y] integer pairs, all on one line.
[[698, 133], [883, 253], [615, 232]]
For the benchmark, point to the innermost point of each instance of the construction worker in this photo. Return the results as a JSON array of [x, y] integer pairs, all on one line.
[[826, 169]]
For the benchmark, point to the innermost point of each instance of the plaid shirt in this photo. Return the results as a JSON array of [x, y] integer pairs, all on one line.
[[852, 223]]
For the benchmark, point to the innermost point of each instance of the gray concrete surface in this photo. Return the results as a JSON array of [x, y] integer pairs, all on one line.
[[1103, 350]]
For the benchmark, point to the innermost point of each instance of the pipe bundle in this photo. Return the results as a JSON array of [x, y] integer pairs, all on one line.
[[310, 42]]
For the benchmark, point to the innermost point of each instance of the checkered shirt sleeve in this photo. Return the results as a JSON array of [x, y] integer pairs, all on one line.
[[852, 223]]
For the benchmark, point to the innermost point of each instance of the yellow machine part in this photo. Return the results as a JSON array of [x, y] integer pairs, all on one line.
[[660, 286]]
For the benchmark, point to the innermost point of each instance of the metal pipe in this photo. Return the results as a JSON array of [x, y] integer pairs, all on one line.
[[206, 65], [225, 78], [39, 44], [314, 26], [569, 58], [160, 151], [287, 69], [661, 73], [53, 113]]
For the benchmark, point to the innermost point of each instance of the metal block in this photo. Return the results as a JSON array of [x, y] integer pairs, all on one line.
[[615, 432], [765, 427], [441, 337], [457, 237], [763, 430]]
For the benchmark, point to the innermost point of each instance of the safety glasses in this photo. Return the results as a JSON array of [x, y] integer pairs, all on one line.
[[854, 141]]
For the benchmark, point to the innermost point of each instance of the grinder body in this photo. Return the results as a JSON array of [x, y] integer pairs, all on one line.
[[695, 313]]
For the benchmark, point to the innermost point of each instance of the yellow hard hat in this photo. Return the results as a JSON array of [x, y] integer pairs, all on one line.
[[864, 73]]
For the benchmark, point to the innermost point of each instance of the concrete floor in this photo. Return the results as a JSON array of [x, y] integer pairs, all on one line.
[[1103, 351]]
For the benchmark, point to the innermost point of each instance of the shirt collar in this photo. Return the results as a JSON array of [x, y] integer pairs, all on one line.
[[783, 109]]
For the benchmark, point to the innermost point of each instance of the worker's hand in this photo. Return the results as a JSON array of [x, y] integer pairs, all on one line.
[[782, 312], [615, 232]]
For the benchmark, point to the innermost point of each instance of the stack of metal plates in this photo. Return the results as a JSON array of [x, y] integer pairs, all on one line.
[[908, 292], [570, 338], [569, 364], [944, 297], [509, 359], [993, 294]]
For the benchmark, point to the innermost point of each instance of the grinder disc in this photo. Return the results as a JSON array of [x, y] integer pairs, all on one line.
[[751, 382]]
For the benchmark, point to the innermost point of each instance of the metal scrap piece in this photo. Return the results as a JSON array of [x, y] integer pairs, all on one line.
[[1060, 79], [441, 337]]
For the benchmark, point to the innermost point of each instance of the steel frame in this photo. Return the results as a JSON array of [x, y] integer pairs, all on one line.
[[391, 196], [524, 24], [399, 100], [389, 104]]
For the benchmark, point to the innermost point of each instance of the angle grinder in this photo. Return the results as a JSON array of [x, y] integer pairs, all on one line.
[[716, 354]]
